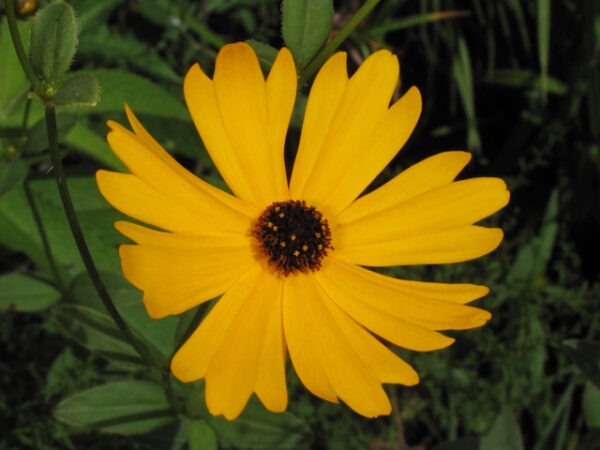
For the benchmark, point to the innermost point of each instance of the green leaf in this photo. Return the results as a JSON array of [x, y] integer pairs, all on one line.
[[591, 405], [123, 407], [523, 78], [254, 428], [265, 53], [81, 90], [13, 82], [305, 27], [19, 231], [91, 13], [586, 354], [504, 434], [37, 137], [142, 95], [94, 146], [116, 49], [97, 332], [158, 333], [460, 444], [53, 40], [21, 293], [12, 174], [533, 258], [201, 436], [258, 428]]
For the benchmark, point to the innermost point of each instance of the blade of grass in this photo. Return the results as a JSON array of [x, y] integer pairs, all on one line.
[[543, 14], [322, 56], [461, 69], [417, 19], [515, 5]]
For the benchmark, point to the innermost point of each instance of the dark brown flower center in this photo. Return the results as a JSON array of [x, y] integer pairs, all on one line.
[[293, 236]]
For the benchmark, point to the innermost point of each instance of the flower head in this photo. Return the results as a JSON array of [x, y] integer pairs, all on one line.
[[287, 258]]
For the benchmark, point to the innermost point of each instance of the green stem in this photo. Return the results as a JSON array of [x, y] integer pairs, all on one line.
[[171, 397], [198, 314], [65, 196], [63, 189], [46, 243], [564, 403], [38, 87], [26, 115], [320, 59]]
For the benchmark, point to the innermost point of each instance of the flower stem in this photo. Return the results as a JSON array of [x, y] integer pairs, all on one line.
[[198, 314], [46, 243], [322, 56], [38, 87], [65, 196], [84, 251], [171, 397]]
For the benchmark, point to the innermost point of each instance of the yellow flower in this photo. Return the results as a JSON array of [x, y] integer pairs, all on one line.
[[287, 257]]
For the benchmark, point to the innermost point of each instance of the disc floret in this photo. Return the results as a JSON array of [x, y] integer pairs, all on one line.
[[293, 236]]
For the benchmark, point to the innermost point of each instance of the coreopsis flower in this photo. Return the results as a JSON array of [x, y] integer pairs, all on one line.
[[288, 258]]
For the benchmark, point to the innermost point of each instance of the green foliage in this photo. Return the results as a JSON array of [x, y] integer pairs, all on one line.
[[81, 90], [201, 436], [305, 27], [12, 174], [122, 407], [515, 82], [54, 34], [26, 294], [586, 354]]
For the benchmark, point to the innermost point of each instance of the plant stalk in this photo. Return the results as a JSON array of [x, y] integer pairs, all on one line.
[[45, 242], [322, 56], [51, 129], [38, 87], [84, 251]]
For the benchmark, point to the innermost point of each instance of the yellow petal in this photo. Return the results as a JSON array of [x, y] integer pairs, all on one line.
[[303, 341], [363, 106], [201, 101], [400, 332], [322, 105], [192, 360], [142, 235], [355, 383], [241, 95], [180, 277], [133, 197], [143, 134], [271, 386], [386, 140], [356, 288], [388, 367], [457, 245], [200, 184], [435, 171], [150, 144], [234, 369], [218, 209], [451, 206], [456, 292], [281, 95]]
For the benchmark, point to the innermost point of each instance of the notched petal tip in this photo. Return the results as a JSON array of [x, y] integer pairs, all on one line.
[[192, 76], [233, 53], [114, 126], [413, 99], [102, 180], [179, 369]]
